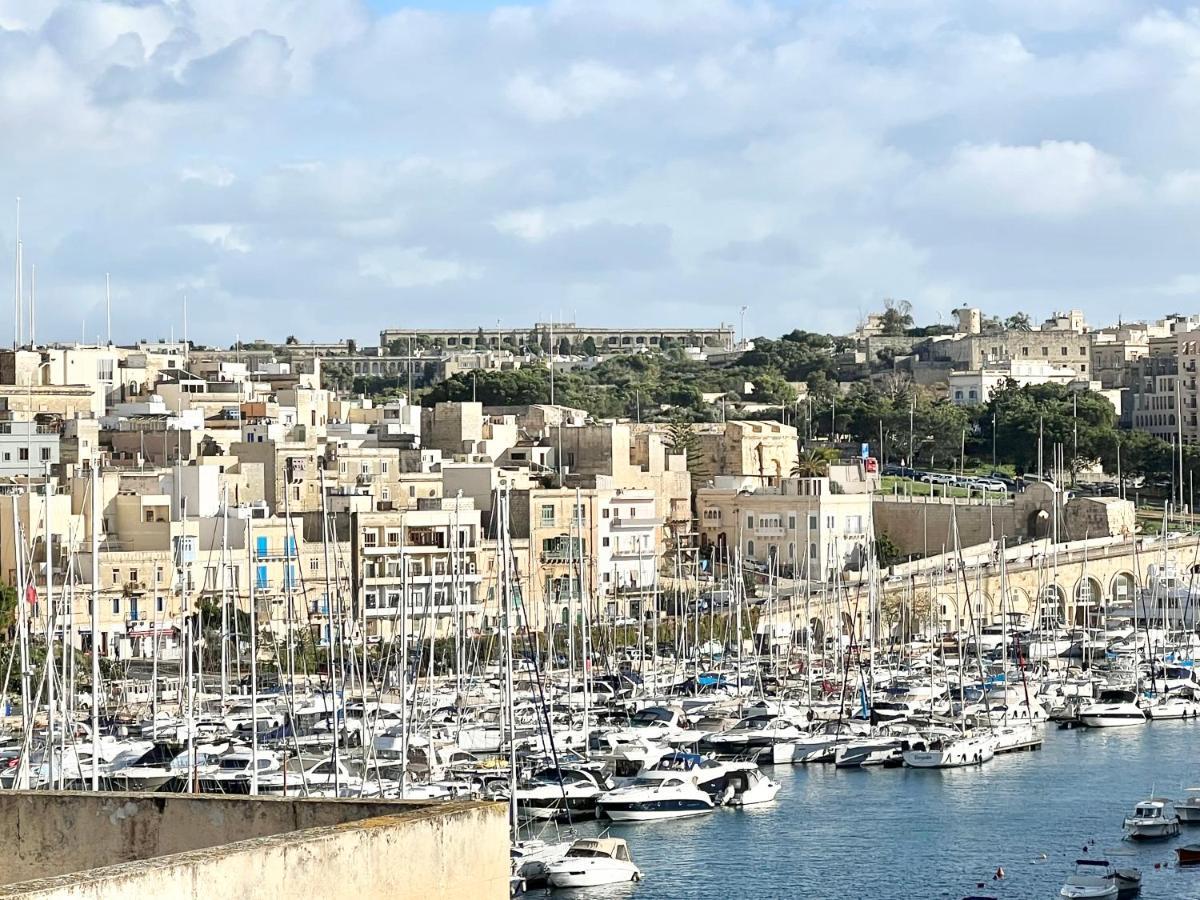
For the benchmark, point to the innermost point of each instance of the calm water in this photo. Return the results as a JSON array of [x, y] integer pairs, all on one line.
[[904, 833]]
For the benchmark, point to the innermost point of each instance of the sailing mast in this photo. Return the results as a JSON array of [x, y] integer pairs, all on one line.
[[95, 623]]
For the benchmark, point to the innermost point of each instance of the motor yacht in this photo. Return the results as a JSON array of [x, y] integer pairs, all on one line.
[[591, 862], [1152, 819], [1173, 706], [561, 793], [649, 799], [1112, 709]]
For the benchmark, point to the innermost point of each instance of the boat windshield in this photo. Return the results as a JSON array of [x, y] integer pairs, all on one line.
[[578, 852]]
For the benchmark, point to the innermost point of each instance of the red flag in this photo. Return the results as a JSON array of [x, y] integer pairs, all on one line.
[[30, 595]]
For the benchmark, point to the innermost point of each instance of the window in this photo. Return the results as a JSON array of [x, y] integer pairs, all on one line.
[[812, 521], [133, 573], [829, 521], [1064, 352], [547, 514], [958, 395], [314, 565], [1083, 351], [604, 542], [1045, 351], [749, 548], [791, 551], [791, 521], [750, 521], [383, 467], [369, 537], [116, 579], [606, 512], [1024, 351], [260, 578], [159, 604], [116, 606], [812, 551], [23, 453], [45, 454]]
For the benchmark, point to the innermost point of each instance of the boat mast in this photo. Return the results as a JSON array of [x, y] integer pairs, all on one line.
[[95, 622]]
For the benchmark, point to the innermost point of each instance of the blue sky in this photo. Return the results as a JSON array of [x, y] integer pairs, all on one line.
[[332, 168]]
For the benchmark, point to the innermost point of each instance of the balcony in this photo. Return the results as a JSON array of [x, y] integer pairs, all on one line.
[[623, 522]]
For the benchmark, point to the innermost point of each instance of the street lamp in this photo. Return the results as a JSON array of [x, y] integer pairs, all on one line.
[[742, 329]]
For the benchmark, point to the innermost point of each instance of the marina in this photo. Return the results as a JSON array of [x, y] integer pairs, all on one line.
[[896, 835]]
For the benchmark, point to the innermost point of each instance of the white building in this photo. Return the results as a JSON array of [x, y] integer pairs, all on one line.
[[976, 386]]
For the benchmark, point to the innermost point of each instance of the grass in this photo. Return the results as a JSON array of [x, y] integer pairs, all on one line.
[[907, 487]]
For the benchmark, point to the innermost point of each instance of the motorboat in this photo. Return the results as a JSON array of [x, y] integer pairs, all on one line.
[[1113, 708], [1188, 809], [649, 799], [951, 752], [531, 860], [1096, 878], [1093, 879], [1173, 706], [1152, 820], [592, 862], [561, 793], [746, 785], [1189, 855]]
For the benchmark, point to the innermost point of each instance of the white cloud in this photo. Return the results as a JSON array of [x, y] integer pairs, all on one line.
[[632, 159], [1053, 179]]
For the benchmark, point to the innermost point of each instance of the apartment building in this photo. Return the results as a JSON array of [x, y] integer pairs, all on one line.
[[1153, 382], [799, 527], [419, 569]]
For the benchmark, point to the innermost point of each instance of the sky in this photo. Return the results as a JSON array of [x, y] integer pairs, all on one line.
[[330, 168]]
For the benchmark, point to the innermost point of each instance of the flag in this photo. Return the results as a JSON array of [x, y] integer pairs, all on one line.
[[30, 594]]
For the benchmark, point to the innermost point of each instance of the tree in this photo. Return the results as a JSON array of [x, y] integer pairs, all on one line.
[[1019, 322], [886, 551], [589, 346], [564, 347], [1082, 421], [897, 316], [814, 463], [290, 340], [682, 440]]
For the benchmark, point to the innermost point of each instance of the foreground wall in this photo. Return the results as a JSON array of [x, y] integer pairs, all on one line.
[[68, 843]]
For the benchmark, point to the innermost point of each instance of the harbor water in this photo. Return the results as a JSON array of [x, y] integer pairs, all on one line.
[[901, 834]]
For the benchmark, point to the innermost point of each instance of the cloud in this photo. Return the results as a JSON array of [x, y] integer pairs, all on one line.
[[1053, 179], [632, 160]]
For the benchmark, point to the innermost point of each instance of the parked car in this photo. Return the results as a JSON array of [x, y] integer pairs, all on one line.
[[938, 478]]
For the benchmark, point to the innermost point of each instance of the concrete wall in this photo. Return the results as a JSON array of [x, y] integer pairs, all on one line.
[[922, 524], [151, 845]]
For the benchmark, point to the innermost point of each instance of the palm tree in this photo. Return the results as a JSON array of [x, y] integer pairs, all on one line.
[[814, 463]]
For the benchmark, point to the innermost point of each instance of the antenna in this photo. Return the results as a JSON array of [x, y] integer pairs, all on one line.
[[108, 306], [32, 306], [20, 291]]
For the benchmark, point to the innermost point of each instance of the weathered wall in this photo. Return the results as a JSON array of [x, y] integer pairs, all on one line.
[[116, 846], [922, 524]]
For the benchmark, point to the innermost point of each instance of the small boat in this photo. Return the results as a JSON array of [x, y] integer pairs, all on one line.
[[1093, 879], [1188, 809], [1152, 819], [592, 862], [1129, 882], [748, 786], [1189, 855], [1173, 706]]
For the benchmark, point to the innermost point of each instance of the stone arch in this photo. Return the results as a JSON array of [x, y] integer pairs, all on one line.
[[1052, 606], [1089, 600], [847, 624], [949, 615], [1018, 601], [1120, 591]]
